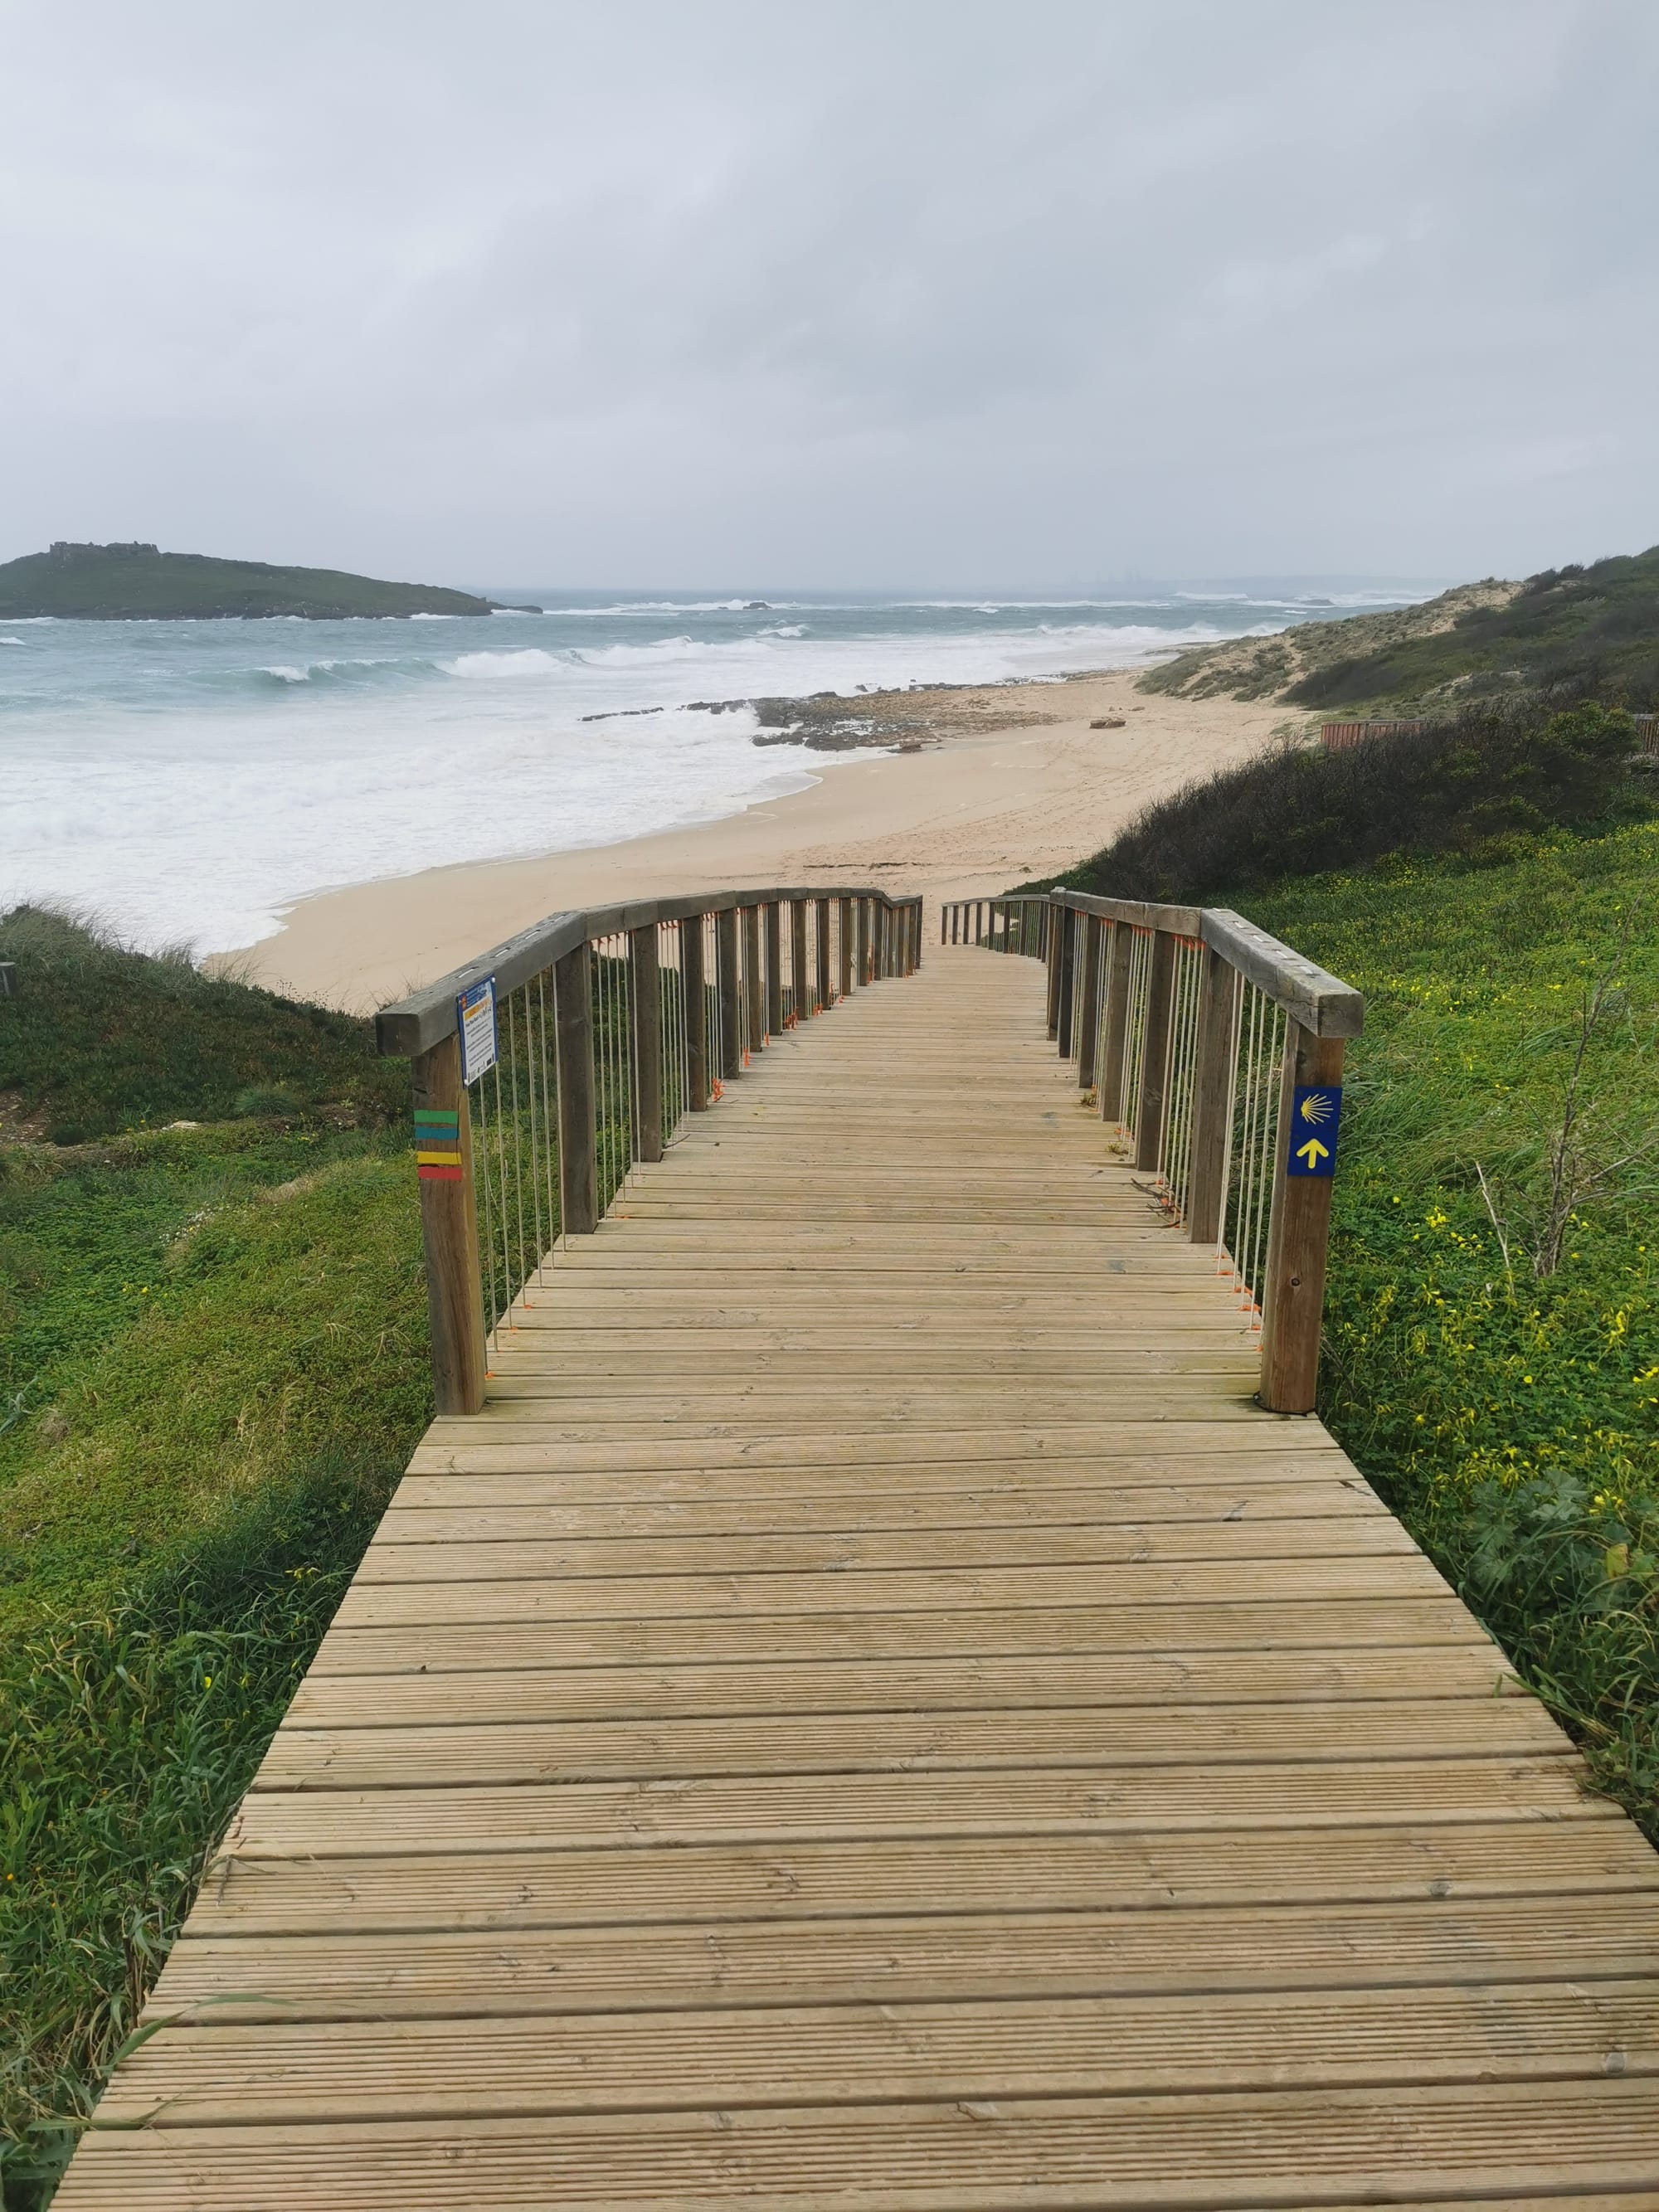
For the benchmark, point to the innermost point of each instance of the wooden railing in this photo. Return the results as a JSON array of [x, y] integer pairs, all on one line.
[[543, 1073], [1217, 1054]]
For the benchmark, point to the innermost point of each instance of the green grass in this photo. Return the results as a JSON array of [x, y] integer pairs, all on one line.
[[132, 1731], [194, 1315], [212, 1369], [1513, 1422]]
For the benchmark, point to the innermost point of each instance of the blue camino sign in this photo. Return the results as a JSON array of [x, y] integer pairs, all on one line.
[[1315, 1115]]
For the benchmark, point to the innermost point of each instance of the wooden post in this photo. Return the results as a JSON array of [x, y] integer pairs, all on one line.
[[1068, 933], [797, 998], [1154, 1055], [774, 970], [846, 947], [573, 1028], [754, 992], [877, 940], [731, 1005], [1088, 1036], [1299, 1235], [826, 996], [1052, 950], [1108, 1054], [645, 992], [1212, 1096], [694, 983], [449, 1228], [944, 923], [863, 906]]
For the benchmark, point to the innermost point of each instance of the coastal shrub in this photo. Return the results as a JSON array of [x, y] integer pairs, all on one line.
[[264, 1102], [1590, 628], [1491, 774], [100, 1038]]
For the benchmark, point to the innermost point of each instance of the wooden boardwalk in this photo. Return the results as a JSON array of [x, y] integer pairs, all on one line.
[[872, 1715]]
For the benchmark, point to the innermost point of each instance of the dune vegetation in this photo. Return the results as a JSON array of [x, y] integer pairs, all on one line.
[[212, 1368], [1594, 629], [1491, 1335]]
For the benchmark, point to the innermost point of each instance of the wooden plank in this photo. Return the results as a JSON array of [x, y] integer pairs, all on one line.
[[717, 1597], [1117, 1483], [1085, 2046], [421, 1513], [460, 1750], [972, 1628], [1600, 1873], [1039, 1800], [1496, 2139], [394, 1557], [990, 1681], [409, 1971]]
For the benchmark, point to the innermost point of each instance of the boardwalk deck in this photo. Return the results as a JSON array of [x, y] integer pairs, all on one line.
[[872, 1715]]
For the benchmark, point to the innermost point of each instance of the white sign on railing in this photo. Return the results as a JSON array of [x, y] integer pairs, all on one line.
[[475, 1017]]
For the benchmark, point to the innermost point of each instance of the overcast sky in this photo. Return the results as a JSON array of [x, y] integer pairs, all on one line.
[[816, 292]]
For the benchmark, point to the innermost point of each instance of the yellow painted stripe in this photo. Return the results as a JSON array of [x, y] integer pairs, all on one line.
[[439, 1159]]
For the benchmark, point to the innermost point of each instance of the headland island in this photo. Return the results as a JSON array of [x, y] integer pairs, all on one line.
[[137, 582]]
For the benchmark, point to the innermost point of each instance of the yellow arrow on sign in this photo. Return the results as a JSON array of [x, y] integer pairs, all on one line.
[[1312, 1151]]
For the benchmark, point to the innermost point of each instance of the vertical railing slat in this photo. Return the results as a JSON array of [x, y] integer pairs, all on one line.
[[449, 1227], [572, 1033], [1155, 1053], [645, 1005], [1299, 1238]]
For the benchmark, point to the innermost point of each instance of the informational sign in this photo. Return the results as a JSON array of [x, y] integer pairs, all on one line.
[[1315, 1114], [475, 1014]]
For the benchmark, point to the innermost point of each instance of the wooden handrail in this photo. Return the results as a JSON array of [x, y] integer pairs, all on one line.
[[589, 1047], [1159, 1034], [415, 1023]]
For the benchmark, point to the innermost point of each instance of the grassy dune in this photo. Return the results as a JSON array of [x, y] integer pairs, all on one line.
[[1583, 629], [212, 1368]]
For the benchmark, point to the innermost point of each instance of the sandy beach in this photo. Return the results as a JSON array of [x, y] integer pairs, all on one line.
[[988, 787]]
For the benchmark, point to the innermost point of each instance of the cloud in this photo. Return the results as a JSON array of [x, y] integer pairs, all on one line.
[[944, 292]]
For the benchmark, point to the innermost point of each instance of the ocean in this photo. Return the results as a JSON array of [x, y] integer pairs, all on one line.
[[186, 781]]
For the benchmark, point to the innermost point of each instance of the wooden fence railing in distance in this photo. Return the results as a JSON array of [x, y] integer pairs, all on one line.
[[1217, 1051], [545, 1071]]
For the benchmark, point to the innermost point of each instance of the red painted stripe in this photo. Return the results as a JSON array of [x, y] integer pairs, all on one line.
[[439, 1175]]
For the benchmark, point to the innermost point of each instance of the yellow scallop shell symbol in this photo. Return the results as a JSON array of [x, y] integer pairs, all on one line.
[[1316, 1108]]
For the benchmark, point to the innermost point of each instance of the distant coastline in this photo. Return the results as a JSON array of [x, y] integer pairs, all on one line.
[[137, 582]]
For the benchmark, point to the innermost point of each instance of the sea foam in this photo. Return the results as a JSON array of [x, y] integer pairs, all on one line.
[[191, 789]]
